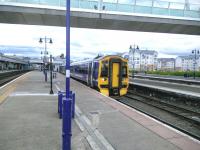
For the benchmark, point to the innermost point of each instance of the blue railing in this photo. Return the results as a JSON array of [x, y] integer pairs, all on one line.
[[163, 8]]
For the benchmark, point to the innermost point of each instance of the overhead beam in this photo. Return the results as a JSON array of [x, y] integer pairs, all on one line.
[[55, 16]]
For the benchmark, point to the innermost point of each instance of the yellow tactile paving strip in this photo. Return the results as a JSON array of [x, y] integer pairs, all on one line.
[[9, 88]]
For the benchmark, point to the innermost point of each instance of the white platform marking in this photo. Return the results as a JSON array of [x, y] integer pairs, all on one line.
[[13, 80], [92, 143], [85, 124], [33, 94], [57, 87]]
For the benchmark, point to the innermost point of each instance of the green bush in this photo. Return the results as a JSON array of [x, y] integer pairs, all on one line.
[[175, 73]]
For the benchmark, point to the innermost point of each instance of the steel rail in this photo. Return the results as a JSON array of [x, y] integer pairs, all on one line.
[[192, 123]]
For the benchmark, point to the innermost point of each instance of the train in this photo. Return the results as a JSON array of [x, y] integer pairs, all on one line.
[[108, 74]]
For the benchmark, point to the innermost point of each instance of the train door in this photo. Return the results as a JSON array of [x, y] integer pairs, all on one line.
[[115, 75], [89, 74]]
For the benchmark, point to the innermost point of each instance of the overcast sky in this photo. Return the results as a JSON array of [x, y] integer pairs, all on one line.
[[24, 40]]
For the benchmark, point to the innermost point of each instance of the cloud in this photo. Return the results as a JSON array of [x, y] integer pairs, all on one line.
[[90, 42], [21, 50], [75, 44]]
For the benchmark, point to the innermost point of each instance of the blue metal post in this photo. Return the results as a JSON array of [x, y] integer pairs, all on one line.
[[68, 49], [60, 97], [66, 126], [58, 102], [66, 129], [73, 105]]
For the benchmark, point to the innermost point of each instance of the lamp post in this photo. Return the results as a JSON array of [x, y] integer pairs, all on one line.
[[195, 52], [146, 66], [132, 61], [51, 68], [45, 53], [133, 58]]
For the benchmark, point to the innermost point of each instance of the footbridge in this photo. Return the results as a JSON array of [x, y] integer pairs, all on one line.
[[137, 15]]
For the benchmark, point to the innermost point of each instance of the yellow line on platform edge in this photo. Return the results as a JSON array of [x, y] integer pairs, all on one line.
[[7, 90], [6, 94]]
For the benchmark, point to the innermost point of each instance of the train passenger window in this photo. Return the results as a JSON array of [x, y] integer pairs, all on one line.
[[95, 71], [104, 69], [72, 69], [124, 71]]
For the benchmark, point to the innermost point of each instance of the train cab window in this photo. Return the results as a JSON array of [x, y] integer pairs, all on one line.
[[124, 70], [104, 69]]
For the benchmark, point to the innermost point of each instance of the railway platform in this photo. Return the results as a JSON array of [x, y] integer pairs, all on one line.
[[171, 87], [29, 120], [28, 116]]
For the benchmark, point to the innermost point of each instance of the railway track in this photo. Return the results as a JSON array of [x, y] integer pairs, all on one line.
[[182, 118], [5, 78]]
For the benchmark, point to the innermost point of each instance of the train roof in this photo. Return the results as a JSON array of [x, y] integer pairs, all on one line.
[[81, 62], [103, 57], [95, 59]]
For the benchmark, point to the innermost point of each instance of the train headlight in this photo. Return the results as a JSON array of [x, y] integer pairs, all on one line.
[[104, 79]]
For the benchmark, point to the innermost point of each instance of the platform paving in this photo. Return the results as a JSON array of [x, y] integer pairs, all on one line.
[[29, 119]]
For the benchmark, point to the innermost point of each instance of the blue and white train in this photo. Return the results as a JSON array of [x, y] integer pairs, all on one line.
[[109, 74]]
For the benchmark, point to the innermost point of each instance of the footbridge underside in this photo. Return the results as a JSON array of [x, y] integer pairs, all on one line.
[[55, 16]]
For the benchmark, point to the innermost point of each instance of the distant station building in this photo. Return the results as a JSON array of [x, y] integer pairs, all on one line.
[[142, 60], [187, 63], [166, 64], [57, 62], [36, 63], [13, 63]]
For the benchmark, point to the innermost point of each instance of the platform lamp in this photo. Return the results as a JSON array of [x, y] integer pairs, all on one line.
[[49, 40], [195, 52], [51, 69], [131, 52], [133, 58]]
